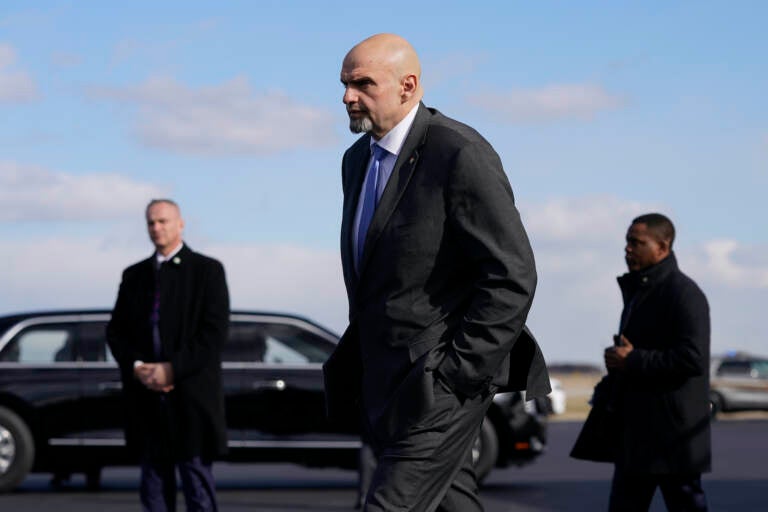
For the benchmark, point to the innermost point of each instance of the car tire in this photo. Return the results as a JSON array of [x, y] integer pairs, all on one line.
[[17, 450], [93, 479], [716, 403], [485, 450]]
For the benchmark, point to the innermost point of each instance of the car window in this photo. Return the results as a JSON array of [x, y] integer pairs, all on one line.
[[40, 345], [279, 353], [246, 343], [274, 343], [760, 369], [734, 368], [64, 342], [92, 342]]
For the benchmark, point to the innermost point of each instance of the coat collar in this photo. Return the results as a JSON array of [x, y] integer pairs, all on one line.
[[355, 161], [177, 261], [631, 282]]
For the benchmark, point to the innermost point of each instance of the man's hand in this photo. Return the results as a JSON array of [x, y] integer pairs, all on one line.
[[155, 376], [616, 357]]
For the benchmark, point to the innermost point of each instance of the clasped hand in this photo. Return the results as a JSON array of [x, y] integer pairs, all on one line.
[[155, 376], [616, 356]]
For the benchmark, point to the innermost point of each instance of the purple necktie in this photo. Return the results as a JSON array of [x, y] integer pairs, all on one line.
[[155, 317], [370, 200]]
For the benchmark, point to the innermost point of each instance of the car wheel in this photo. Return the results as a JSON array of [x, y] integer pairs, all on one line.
[[17, 450], [716, 404], [485, 450], [93, 479]]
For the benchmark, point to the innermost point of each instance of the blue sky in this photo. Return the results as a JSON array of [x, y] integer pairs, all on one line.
[[599, 110]]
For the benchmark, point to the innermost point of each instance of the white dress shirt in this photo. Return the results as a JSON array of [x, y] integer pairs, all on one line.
[[393, 142], [162, 259]]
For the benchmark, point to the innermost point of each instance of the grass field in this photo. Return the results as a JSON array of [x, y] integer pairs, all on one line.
[[578, 389]]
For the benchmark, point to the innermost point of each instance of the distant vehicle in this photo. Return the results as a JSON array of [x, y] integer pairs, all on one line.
[[557, 397], [739, 383], [61, 407]]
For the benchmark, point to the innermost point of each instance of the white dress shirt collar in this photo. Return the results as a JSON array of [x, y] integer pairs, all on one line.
[[394, 139], [161, 259]]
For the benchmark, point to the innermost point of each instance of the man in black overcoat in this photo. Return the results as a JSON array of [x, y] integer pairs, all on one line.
[[658, 381], [440, 277], [168, 327]]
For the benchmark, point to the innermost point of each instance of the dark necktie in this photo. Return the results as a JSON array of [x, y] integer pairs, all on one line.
[[370, 200], [155, 317]]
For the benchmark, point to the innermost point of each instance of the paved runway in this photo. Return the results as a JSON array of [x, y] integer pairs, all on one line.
[[553, 483]]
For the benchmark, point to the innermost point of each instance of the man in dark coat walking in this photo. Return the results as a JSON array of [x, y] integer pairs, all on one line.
[[658, 380], [167, 331]]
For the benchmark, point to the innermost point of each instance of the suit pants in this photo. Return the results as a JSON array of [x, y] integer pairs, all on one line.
[[633, 492], [158, 485], [430, 467], [366, 466]]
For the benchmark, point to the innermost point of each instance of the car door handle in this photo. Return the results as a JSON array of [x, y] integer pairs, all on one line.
[[278, 384], [110, 386]]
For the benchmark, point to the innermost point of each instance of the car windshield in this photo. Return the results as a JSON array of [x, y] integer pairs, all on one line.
[[744, 368], [274, 343], [761, 369]]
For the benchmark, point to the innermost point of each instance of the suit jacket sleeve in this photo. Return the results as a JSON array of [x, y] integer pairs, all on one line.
[[119, 332], [207, 340], [490, 233]]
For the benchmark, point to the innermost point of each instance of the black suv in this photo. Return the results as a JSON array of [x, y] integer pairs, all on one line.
[[60, 399]]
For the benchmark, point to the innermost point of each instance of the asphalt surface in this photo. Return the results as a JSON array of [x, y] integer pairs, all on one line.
[[553, 483]]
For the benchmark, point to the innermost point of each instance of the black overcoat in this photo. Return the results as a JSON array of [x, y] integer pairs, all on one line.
[[662, 397], [194, 320], [445, 283]]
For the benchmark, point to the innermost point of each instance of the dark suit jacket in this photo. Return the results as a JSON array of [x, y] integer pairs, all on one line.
[[194, 319], [445, 283]]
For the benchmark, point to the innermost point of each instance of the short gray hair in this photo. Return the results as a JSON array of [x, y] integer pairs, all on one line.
[[163, 200]]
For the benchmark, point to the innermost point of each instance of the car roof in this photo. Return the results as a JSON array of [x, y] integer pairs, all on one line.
[[739, 357], [13, 318]]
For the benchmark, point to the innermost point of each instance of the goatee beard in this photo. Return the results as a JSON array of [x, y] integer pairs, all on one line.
[[360, 125]]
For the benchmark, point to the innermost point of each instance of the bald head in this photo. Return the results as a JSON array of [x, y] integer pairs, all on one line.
[[382, 81], [387, 50]]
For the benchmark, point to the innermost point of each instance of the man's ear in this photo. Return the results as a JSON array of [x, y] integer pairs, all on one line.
[[664, 246], [410, 84]]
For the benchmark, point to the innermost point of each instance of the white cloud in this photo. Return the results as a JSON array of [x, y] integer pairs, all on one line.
[[161, 53], [7, 55], [273, 278], [579, 248], [584, 218], [574, 315], [550, 103], [229, 118], [286, 278], [34, 193], [15, 85], [451, 69], [726, 262]]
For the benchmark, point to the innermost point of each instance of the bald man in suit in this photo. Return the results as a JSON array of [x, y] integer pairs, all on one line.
[[440, 277]]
